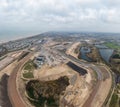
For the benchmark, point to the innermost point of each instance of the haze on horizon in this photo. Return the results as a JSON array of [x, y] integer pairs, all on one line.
[[20, 18]]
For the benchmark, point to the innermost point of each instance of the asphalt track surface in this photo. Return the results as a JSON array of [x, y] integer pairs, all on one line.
[[13, 93]]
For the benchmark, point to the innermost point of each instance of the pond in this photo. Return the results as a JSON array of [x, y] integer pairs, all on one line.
[[84, 51], [105, 52]]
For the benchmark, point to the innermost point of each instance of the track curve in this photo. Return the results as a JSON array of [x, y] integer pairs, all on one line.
[[13, 93]]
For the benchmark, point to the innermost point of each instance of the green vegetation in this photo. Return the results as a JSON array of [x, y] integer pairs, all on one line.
[[116, 56], [115, 62], [46, 92], [115, 100], [112, 45], [29, 66], [28, 75], [28, 69], [118, 86]]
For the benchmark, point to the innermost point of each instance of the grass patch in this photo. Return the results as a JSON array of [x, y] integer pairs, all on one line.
[[114, 100], [118, 86], [28, 75], [112, 45], [28, 69], [29, 66]]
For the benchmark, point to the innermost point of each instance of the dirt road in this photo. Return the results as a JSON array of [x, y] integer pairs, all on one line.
[[13, 93], [101, 90], [103, 86]]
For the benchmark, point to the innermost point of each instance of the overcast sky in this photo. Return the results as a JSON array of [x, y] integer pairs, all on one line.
[[27, 17]]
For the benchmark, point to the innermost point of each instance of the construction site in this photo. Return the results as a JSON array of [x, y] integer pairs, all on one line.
[[51, 75]]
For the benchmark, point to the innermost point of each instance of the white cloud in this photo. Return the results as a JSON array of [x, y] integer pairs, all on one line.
[[3, 4], [87, 1], [112, 2], [58, 13], [110, 15]]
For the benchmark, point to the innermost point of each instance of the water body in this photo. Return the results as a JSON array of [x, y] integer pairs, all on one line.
[[101, 46], [84, 51], [105, 52], [14, 36]]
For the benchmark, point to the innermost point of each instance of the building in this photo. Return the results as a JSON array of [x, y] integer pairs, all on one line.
[[39, 61]]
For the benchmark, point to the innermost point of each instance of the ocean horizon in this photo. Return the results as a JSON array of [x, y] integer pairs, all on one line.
[[11, 37]]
